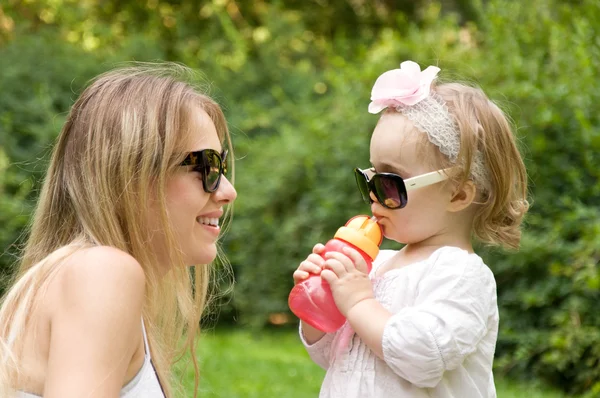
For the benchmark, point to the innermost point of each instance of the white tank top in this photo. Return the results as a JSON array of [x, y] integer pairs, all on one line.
[[145, 384]]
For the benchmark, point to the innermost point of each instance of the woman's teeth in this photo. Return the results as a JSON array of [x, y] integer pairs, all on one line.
[[208, 221]]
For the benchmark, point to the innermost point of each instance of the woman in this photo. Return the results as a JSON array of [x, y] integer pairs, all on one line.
[[133, 196]]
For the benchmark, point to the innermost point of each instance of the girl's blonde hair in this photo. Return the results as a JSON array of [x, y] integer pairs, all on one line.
[[123, 138], [484, 128]]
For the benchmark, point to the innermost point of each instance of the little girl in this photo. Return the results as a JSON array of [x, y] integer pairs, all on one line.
[[445, 170]]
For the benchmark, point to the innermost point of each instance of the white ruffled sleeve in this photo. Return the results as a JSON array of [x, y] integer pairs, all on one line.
[[319, 351], [454, 302]]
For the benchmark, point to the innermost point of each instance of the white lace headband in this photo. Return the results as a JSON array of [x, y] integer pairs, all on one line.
[[408, 91]]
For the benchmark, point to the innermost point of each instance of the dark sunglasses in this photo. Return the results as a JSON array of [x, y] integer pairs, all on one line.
[[210, 164], [389, 189]]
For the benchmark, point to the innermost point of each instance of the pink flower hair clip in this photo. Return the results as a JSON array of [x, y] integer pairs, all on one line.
[[405, 86]]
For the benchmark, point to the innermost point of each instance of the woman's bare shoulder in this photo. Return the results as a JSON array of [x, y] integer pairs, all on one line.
[[99, 277], [94, 307]]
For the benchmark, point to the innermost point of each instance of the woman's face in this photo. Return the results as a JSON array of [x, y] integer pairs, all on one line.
[[195, 214]]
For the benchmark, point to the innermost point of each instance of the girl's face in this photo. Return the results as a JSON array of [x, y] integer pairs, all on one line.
[[195, 214], [395, 149]]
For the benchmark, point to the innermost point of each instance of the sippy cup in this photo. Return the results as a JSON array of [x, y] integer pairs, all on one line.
[[311, 300]]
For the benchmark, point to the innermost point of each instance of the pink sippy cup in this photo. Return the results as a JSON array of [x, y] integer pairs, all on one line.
[[311, 300]]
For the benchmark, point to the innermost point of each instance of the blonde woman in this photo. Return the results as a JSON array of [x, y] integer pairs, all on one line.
[[133, 196]]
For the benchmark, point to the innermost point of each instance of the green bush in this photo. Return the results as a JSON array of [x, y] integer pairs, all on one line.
[[549, 292], [40, 78]]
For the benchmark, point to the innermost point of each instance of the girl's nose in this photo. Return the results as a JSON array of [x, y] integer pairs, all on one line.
[[372, 196]]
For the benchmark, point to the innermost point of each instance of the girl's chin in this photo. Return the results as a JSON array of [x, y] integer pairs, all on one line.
[[393, 237], [387, 233]]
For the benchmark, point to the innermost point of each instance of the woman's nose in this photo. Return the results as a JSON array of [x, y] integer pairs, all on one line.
[[226, 193]]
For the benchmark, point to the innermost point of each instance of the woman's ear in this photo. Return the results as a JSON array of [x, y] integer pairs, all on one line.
[[463, 197]]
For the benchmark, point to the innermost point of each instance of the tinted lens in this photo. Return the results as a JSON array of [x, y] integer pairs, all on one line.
[[224, 164], [213, 168], [363, 185], [389, 190]]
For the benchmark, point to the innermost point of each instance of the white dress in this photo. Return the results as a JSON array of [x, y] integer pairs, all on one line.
[[439, 343]]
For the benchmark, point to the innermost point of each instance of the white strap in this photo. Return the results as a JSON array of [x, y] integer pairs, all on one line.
[[146, 345]]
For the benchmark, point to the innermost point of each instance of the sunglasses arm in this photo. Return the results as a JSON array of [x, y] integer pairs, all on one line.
[[425, 179]]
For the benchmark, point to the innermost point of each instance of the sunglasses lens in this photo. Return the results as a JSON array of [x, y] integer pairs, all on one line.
[[213, 170], [390, 191], [363, 185]]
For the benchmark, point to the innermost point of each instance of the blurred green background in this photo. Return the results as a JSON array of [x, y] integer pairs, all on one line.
[[294, 78]]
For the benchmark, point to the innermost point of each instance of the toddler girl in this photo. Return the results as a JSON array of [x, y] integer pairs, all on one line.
[[445, 170]]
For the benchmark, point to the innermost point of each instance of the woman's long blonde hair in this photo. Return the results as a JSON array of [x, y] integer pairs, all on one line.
[[124, 136]]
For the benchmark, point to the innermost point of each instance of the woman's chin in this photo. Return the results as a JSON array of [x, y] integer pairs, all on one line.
[[204, 256]]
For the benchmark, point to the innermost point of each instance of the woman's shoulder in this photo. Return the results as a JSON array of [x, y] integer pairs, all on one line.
[[93, 307], [103, 258], [100, 265], [99, 277]]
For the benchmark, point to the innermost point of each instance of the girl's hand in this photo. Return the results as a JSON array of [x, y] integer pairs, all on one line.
[[346, 274], [312, 265]]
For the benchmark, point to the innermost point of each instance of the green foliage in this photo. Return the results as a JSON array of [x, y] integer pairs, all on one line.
[[550, 290], [39, 79], [295, 85], [12, 215]]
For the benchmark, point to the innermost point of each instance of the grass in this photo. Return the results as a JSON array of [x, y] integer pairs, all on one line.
[[240, 364]]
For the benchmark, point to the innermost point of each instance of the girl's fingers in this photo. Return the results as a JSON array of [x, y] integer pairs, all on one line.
[[318, 248], [357, 259], [315, 259], [334, 265], [309, 266], [329, 276], [343, 259], [299, 276]]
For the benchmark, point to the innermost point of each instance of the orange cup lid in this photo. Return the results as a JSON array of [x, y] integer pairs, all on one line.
[[363, 232]]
